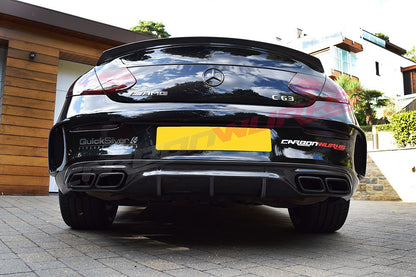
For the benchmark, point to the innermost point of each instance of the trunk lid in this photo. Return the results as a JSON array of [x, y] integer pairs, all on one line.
[[220, 73]]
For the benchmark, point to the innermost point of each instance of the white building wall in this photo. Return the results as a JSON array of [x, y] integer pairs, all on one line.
[[328, 60], [390, 80]]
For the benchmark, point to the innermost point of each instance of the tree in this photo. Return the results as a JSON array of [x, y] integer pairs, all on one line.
[[364, 102], [411, 54], [156, 29], [382, 36], [369, 100], [351, 86]]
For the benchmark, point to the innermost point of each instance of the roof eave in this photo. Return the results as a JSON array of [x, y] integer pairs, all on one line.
[[69, 22]]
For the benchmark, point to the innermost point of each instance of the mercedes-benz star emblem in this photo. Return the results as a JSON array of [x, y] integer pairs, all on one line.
[[213, 77]]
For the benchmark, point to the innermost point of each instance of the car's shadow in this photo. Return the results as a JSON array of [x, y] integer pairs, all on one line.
[[208, 226]]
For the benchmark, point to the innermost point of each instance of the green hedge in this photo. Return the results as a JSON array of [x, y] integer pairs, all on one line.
[[381, 127], [404, 128]]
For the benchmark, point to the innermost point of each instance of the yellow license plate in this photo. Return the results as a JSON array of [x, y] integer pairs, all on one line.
[[213, 138]]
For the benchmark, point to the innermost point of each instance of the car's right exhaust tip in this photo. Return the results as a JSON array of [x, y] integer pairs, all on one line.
[[337, 185], [322, 184]]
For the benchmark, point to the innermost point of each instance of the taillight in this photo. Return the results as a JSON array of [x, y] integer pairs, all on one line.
[[114, 78], [106, 79], [307, 85], [85, 83], [333, 92]]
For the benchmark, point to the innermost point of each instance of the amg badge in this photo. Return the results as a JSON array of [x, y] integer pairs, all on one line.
[[149, 93]]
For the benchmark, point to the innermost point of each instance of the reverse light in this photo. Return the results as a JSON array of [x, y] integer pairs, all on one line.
[[307, 85], [106, 79]]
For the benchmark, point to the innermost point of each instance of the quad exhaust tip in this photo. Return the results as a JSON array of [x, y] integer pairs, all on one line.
[[337, 185], [321, 184], [109, 180], [81, 180], [311, 184]]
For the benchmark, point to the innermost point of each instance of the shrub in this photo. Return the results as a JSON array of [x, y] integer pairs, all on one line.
[[360, 115], [384, 127], [404, 128], [366, 128], [381, 127]]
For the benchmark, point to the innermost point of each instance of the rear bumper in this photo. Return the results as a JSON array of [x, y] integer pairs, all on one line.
[[275, 184], [112, 155]]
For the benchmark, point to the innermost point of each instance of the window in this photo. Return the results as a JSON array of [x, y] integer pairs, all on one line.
[[370, 37], [346, 61], [408, 82], [377, 69]]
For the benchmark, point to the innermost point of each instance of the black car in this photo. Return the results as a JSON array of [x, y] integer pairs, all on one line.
[[207, 120]]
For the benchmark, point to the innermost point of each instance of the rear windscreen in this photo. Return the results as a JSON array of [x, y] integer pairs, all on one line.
[[224, 55]]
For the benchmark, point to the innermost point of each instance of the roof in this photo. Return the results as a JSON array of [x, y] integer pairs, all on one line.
[[69, 22], [383, 43], [409, 68], [395, 49]]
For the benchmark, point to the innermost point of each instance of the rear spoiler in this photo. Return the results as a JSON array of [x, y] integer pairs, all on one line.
[[125, 49]]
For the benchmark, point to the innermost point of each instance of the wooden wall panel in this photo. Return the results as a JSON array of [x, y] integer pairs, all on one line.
[[27, 116], [8, 129], [25, 122], [24, 44], [55, 42], [17, 170], [27, 102], [22, 180], [26, 189], [19, 140], [21, 82], [32, 65], [40, 58], [22, 161], [29, 151], [29, 93], [31, 75], [26, 112], [29, 99]]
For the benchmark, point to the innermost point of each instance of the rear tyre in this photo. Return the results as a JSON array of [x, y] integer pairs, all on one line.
[[80, 211], [323, 217]]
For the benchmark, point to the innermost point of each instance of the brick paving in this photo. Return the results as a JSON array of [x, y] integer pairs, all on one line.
[[378, 239]]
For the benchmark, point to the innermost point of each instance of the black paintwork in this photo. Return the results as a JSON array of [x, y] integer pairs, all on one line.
[[99, 134], [183, 83], [275, 50]]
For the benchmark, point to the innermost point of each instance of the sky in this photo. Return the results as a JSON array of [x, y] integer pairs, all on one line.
[[262, 20]]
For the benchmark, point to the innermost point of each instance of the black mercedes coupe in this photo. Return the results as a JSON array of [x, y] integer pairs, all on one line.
[[207, 120]]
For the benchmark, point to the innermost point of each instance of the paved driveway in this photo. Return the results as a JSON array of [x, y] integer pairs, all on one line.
[[378, 239]]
